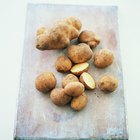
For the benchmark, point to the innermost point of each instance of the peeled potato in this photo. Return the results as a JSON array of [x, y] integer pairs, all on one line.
[[78, 69], [68, 79], [108, 83], [59, 97], [87, 80], [78, 103], [74, 89]]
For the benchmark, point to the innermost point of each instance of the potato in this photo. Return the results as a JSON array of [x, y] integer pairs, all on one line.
[[59, 97], [89, 38], [45, 82], [78, 103], [87, 80], [103, 58], [74, 89], [59, 36], [79, 53], [68, 79], [78, 69], [108, 83], [63, 64]]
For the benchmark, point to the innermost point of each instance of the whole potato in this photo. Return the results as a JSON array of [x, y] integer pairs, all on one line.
[[45, 82], [59, 97], [79, 53], [108, 83], [103, 58], [63, 64], [78, 103], [68, 79], [89, 38], [74, 89]]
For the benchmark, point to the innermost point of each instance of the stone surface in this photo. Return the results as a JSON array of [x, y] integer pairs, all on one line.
[[37, 117]]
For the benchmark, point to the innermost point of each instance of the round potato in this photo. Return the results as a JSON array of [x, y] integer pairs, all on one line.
[[45, 82], [59, 97], [68, 79], [79, 53], [78, 69], [87, 80], [108, 83], [89, 38], [74, 89], [78, 103], [63, 64], [103, 58]]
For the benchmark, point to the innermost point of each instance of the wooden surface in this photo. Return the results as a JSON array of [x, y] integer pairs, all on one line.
[[37, 117]]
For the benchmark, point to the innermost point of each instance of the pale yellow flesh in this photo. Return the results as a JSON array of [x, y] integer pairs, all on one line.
[[79, 67], [88, 80]]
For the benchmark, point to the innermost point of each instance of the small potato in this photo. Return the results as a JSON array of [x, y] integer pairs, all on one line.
[[87, 80], [103, 58], [78, 69], [79, 53], [68, 79], [89, 38], [59, 97], [45, 82], [78, 103], [74, 89], [108, 83], [63, 64]]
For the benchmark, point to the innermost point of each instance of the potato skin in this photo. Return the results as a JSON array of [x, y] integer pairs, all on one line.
[[78, 103], [89, 38], [69, 78], [79, 53], [103, 58], [108, 83], [63, 64], [60, 35], [45, 82], [74, 89], [59, 97]]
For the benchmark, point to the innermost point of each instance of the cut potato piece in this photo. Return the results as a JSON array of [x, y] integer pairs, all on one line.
[[78, 69], [87, 80]]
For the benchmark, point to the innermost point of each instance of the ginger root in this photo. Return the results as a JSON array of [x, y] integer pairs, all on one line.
[[59, 36]]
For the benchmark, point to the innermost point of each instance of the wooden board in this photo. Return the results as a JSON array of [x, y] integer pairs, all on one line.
[[37, 117]]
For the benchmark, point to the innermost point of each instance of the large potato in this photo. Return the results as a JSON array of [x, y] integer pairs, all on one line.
[[78, 103], [63, 64], [59, 97], [79, 53], [45, 82], [103, 58], [68, 79], [74, 89], [108, 83]]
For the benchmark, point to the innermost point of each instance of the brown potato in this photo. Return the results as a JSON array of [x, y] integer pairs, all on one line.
[[74, 89], [89, 38], [103, 58], [108, 83], [79, 53], [78, 69], [59, 36], [87, 80], [45, 82], [68, 79], [63, 64], [78, 103], [59, 97]]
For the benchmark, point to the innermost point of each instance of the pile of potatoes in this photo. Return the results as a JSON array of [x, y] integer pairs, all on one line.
[[78, 80]]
